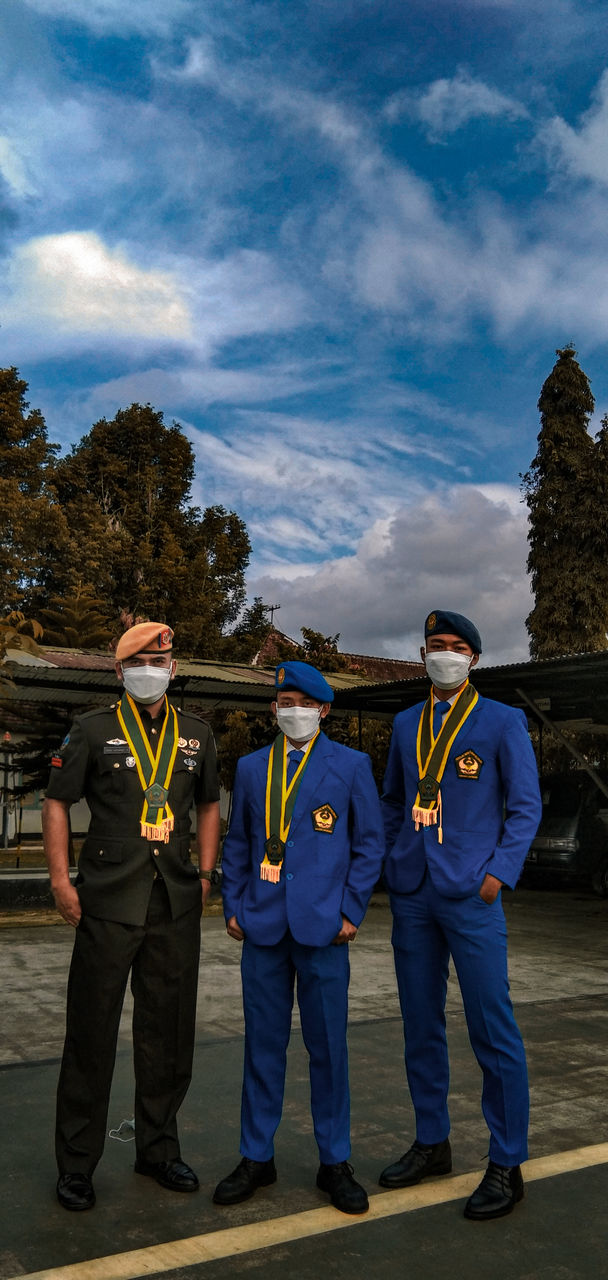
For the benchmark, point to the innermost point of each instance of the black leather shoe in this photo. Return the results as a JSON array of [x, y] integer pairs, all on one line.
[[418, 1163], [346, 1194], [75, 1191], [499, 1191], [244, 1180], [172, 1174]]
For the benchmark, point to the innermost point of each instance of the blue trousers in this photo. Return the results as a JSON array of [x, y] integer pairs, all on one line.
[[269, 975], [427, 929]]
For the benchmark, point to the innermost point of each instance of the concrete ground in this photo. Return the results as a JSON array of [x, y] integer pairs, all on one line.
[[559, 978]]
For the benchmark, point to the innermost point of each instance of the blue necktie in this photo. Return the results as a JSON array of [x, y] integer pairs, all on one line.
[[295, 757], [439, 710]]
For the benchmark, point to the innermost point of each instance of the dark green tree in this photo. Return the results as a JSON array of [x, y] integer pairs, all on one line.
[[32, 529], [135, 537], [77, 621], [248, 636], [568, 575]]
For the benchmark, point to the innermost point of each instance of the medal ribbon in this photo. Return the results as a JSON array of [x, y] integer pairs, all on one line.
[[280, 801], [432, 755], [154, 770]]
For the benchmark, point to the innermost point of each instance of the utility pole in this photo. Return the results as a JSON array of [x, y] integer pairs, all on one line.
[[272, 608]]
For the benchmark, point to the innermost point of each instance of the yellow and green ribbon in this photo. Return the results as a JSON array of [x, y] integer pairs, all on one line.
[[154, 769], [280, 801], [432, 755]]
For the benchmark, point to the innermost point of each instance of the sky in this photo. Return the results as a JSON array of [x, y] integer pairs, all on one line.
[[338, 241]]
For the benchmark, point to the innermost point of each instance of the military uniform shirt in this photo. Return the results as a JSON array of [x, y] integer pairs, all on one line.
[[117, 865]]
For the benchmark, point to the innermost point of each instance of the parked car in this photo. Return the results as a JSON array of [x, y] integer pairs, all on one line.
[[572, 839]]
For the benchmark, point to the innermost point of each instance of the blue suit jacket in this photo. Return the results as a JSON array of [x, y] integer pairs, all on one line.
[[324, 875], [489, 821]]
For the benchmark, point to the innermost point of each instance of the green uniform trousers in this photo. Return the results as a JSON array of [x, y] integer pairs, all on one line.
[[162, 956]]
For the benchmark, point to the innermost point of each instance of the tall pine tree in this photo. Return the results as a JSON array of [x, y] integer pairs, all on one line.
[[32, 530], [566, 565]]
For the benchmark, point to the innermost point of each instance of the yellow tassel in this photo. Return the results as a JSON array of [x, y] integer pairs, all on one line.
[[270, 871], [424, 817], [429, 818]]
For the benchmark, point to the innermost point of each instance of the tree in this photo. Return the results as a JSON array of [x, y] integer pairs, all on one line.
[[137, 541], [568, 550], [33, 527], [13, 636], [77, 621], [248, 636]]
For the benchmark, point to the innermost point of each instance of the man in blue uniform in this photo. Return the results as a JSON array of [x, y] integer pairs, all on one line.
[[461, 806], [135, 907], [301, 858]]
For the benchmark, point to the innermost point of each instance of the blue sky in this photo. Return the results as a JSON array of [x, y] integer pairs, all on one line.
[[338, 242]]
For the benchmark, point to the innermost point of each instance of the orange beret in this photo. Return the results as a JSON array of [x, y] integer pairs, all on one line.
[[152, 637]]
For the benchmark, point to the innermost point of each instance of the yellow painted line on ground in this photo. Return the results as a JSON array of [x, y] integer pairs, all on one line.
[[234, 1241]]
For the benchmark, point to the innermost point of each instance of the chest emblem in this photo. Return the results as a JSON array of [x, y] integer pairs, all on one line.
[[468, 765], [324, 818]]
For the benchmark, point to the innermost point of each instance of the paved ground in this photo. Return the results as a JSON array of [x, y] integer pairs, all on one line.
[[559, 976]]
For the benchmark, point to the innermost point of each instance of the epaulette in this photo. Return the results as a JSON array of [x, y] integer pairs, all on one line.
[[192, 715], [98, 711]]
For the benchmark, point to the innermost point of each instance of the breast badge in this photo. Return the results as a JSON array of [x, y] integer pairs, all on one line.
[[468, 765], [324, 819]]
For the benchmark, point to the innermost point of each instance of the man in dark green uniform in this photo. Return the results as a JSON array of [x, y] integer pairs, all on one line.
[[136, 905]]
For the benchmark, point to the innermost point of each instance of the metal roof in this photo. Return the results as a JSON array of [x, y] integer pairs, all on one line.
[[570, 690], [199, 685]]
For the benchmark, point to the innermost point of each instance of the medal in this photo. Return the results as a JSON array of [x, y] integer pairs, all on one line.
[[274, 850], [156, 795]]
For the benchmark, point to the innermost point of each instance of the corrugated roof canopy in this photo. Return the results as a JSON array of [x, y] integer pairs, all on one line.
[[571, 691]]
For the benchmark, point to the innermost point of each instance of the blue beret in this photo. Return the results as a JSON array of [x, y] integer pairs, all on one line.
[[442, 623], [305, 678]]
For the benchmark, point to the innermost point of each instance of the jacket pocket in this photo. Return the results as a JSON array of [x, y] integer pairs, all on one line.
[[101, 850]]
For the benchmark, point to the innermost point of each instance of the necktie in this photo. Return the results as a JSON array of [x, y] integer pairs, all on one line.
[[294, 760], [439, 710]]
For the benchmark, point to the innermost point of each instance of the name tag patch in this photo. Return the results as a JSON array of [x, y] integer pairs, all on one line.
[[324, 818], [468, 765]]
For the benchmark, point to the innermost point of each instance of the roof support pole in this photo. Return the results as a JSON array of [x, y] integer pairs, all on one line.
[[600, 784]]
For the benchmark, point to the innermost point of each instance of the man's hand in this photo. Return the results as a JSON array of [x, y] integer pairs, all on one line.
[[347, 933], [490, 889], [234, 930], [67, 902]]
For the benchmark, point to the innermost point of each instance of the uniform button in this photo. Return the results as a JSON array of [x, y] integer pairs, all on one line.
[[289, 843], [101, 853], [156, 853], [289, 876], [154, 731], [116, 765]]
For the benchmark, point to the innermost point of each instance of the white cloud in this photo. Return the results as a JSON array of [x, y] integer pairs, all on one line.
[[13, 169], [463, 549], [86, 289], [583, 151], [79, 286], [449, 104], [154, 16]]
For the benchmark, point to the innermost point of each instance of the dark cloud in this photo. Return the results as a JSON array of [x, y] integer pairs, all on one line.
[[462, 550]]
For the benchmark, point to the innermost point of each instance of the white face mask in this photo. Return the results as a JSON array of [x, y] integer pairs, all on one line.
[[299, 724], [447, 670], [146, 684]]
